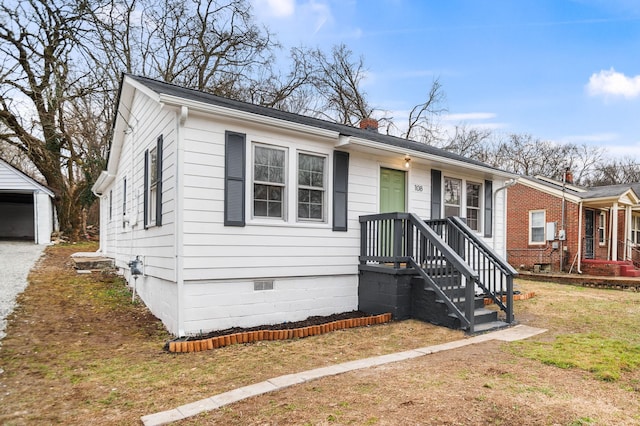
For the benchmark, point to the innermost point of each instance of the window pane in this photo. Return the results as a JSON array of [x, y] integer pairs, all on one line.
[[261, 173], [452, 191], [451, 211], [260, 192], [153, 166], [537, 235], [537, 219], [316, 197], [472, 219], [275, 209], [260, 208], [276, 175], [473, 195], [275, 193], [303, 210], [303, 195], [304, 178], [315, 211]]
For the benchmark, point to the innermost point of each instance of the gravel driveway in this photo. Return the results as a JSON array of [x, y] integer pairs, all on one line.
[[16, 260]]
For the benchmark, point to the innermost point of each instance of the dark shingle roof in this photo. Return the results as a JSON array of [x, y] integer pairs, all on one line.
[[199, 96], [605, 191]]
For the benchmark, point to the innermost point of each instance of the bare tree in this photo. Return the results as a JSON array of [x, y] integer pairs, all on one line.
[[337, 82], [423, 125], [471, 142], [38, 87], [615, 171]]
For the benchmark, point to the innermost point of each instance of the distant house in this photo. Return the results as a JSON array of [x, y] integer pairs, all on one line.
[[26, 207], [554, 226], [243, 215]]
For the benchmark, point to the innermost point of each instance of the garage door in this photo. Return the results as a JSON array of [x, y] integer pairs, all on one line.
[[16, 216]]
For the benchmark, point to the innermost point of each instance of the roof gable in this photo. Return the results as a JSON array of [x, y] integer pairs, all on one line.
[[13, 180]]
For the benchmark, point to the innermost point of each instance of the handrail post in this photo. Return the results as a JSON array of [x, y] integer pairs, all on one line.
[[363, 240], [397, 242], [509, 311], [469, 301]]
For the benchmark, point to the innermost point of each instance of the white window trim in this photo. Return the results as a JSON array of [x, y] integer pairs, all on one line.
[[324, 187], [530, 227]]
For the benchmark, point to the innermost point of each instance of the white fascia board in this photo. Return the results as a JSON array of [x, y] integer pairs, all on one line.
[[243, 115], [612, 199], [104, 180], [27, 179], [552, 191], [430, 157]]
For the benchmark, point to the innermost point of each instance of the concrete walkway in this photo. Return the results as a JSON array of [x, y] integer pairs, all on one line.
[[16, 260], [518, 332]]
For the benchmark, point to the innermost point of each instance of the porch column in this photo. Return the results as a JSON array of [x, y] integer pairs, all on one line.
[[614, 239], [627, 232]]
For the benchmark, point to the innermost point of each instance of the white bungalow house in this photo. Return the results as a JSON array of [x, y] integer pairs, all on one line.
[[26, 207], [244, 215]]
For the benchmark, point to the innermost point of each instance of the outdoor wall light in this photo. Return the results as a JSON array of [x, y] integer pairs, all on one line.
[[407, 162]]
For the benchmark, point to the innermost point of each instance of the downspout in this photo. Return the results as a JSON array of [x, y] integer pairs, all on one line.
[[178, 224], [507, 184], [579, 238]]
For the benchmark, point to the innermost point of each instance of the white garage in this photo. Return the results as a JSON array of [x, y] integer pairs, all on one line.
[[26, 207]]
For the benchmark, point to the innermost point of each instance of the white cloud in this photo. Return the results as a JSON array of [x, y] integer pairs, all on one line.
[[612, 83], [277, 8]]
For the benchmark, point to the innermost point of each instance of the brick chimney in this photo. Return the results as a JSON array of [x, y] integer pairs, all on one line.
[[568, 177], [369, 124]]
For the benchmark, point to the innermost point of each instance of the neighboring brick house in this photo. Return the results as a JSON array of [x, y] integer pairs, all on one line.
[[558, 226]]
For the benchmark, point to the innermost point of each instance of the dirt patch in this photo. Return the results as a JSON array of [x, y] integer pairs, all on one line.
[[78, 352]]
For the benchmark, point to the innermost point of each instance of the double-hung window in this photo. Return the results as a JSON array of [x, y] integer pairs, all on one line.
[[536, 227], [473, 205], [452, 196], [635, 230], [269, 172], [153, 185], [601, 228], [311, 187]]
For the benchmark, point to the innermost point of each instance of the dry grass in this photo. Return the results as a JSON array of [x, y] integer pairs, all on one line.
[[79, 352]]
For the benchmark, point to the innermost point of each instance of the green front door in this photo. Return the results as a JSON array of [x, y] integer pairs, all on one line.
[[392, 190]]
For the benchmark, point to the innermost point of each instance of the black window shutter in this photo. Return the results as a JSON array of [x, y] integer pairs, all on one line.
[[488, 208], [436, 194], [145, 197], [340, 190], [159, 182], [234, 179]]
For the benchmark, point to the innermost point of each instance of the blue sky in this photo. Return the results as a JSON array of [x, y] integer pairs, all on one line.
[[560, 70]]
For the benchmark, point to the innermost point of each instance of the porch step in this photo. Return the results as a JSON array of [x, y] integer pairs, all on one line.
[[490, 326], [482, 316], [629, 270]]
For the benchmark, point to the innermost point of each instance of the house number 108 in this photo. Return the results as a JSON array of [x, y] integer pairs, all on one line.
[[418, 188]]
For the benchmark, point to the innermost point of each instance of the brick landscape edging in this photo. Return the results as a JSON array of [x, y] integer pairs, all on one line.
[[258, 335], [521, 296]]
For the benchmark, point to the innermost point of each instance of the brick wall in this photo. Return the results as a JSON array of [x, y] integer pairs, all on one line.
[[521, 200]]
